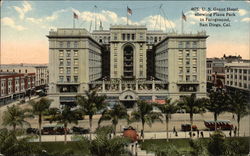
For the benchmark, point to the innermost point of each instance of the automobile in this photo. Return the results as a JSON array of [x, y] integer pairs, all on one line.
[[79, 130], [32, 131], [221, 124], [187, 127], [54, 129]]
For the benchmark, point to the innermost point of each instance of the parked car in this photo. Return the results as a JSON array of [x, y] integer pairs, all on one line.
[[221, 124], [32, 131], [187, 127], [54, 129], [79, 130]]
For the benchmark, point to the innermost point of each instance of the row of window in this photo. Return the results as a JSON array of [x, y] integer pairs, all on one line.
[[188, 70], [68, 70], [239, 71], [68, 79], [187, 53], [188, 78], [242, 85], [68, 53], [187, 44], [240, 77], [69, 44]]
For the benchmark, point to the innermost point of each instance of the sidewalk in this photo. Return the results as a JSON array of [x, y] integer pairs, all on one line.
[[148, 135]]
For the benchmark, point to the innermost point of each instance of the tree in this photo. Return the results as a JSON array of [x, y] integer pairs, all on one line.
[[168, 108], [217, 103], [102, 144], [65, 117], [238, 105], [39, 108], [217, 145], [90, 104], [145, 114], [15, 116], [192, 105], [114, 114], [11, 145]]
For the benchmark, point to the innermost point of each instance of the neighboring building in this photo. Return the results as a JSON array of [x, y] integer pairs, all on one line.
[[126, 63], [238, 75], [41, 72], [15, 85]]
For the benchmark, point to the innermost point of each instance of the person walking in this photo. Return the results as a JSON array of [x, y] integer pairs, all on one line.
[[198, 133], [230, 133], [174, 130], [202, 134]]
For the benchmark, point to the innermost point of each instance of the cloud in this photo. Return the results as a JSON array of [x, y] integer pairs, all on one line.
[[109, 18], [242, 12], [43, 21], [7, 21], [22, 11], [246, 19]]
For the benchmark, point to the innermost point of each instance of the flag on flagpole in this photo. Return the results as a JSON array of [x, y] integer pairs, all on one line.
[[184, 16], [129, 11], [75, 15]]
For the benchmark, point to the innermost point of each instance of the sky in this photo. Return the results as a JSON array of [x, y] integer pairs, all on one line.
[[25, 24]]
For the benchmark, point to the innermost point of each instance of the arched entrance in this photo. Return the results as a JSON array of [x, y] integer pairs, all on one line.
[[128, 68]]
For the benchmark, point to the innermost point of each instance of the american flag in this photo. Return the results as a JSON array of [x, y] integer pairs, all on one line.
[[75, 15], [129, 11]]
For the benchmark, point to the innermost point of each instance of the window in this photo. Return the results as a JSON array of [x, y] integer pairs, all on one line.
[[194, 61], [187, 62], [75, 78], [194, 78], [26, 71], [187, 78], [75, 44], [61, 70], [235, 70], [187, 44], [115, 36], [180, 69], [128, 36], [245, 77], [155, 39], [188, 70], [194, 69], [60, 53], [75, 53], [68, 62], [180, 53], [244, 71], [75, 70], [61, 62], [180, 61], [235, 76], [68, 78], [19, 71], [194, 53], [194, 44], [133, 36], [123, 36], [245, 85], [187, 53], [141, 36], [240, 71], [61, 78], [68, 53], [180, 78], [141, 73], [68, 44], [180, 45], [61, 44], [68, 70], [76, 62]]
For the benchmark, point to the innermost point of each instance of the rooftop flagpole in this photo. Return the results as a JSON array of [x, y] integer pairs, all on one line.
[[183, 17]]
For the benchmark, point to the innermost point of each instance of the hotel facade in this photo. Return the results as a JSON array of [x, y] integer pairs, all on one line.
[[126, 63]]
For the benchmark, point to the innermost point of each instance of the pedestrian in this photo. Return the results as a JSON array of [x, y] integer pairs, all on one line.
[[176, 134], [198, 133], [233, 117], [235, 132], [189, 134], [230, 133], [202, 134], [142, 135], [174, 130]]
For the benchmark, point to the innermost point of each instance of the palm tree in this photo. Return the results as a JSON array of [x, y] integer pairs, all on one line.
[[145, 114], [65, 117], [239, 105], [39, 108], [14, 116], [168, 108], [90, 104], [217, 103], [192, 105], [114, 114]]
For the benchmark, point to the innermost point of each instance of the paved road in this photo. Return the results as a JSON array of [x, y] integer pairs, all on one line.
[[176, 120]]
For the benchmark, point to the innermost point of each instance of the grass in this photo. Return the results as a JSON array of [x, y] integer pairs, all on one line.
[[183, 145]]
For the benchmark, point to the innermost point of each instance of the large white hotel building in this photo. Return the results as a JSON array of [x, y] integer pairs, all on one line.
[[127, 63]]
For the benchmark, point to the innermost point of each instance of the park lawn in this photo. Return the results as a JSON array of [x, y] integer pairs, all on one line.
[[183, 145], [60, 147]]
